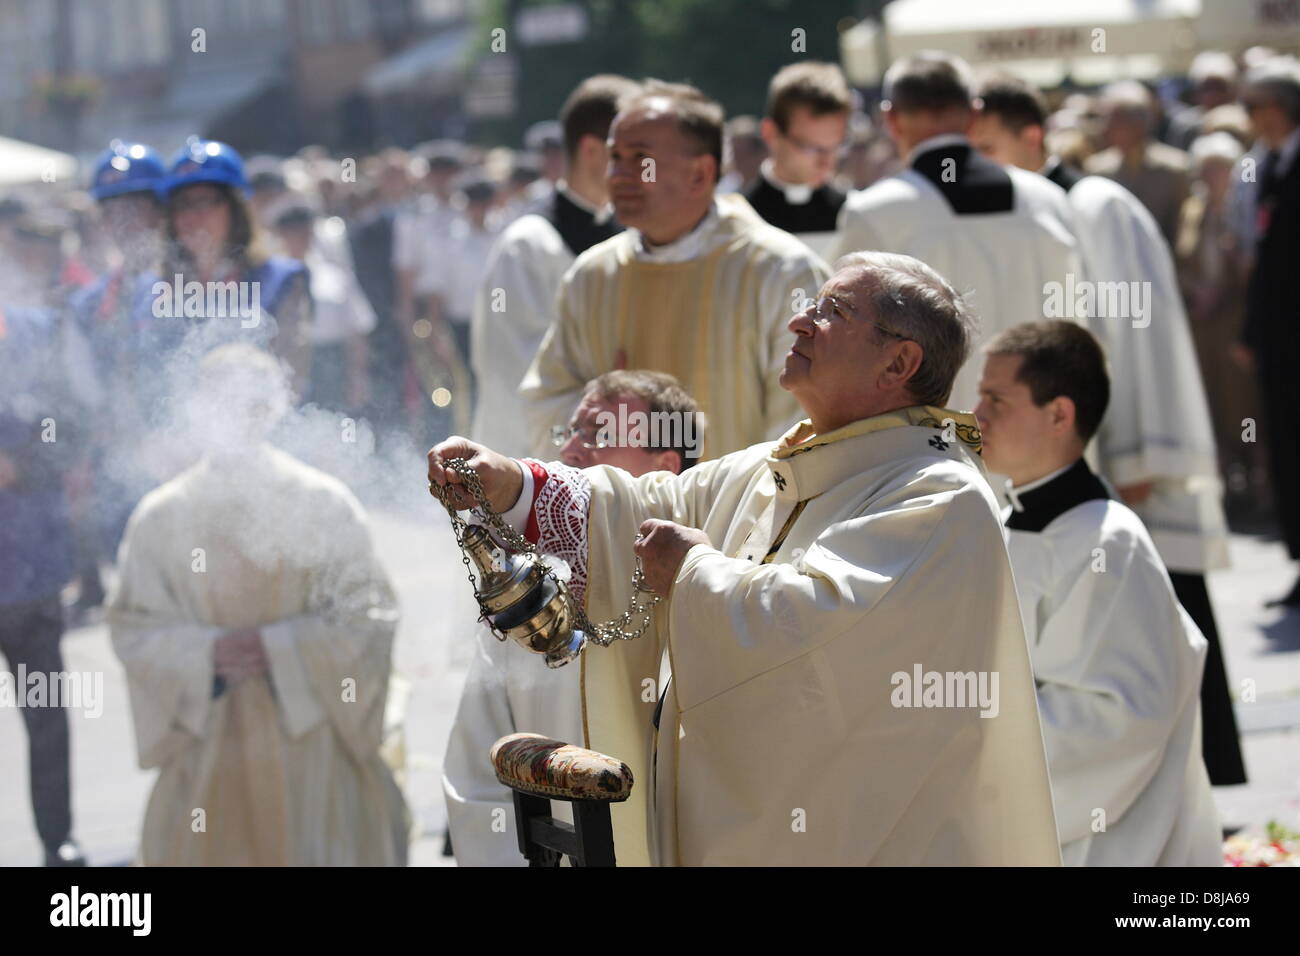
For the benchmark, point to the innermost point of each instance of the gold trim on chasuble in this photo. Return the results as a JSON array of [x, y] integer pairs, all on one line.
[[801, 439]]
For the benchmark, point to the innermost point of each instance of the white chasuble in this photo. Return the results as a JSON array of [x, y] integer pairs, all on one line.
[[849, 679], [1005, 262], [278, 769], [716, 320], [1118, 664], [1158, 425]]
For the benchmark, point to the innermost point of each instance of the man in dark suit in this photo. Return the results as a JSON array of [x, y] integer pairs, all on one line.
[[38, 445], [1270, 338]]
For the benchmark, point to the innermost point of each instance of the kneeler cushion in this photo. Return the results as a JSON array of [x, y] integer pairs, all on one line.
[[551, 768]]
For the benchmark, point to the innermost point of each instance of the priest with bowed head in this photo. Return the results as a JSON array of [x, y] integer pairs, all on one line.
[[800, 577]]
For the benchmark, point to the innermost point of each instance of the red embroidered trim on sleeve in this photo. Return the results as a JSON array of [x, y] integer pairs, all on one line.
[[532, 532]]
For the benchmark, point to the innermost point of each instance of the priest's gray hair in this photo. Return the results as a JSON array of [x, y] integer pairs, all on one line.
[[913, 301]]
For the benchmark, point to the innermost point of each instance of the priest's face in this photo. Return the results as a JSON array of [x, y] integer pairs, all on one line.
[[1020, 437], [992, 137], [806, 151], [658, 182], [842, 363], [594, 437]]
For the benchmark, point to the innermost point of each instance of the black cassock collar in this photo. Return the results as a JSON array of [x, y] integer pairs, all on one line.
[[971, 184], [578, 227], [1041, 506], [1067, 177]]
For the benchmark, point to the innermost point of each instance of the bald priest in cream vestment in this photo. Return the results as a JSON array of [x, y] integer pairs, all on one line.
[[841, 671]]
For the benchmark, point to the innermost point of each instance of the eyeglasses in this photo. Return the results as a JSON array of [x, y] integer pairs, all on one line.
[[827, 306], [587, 437], [812, 149]]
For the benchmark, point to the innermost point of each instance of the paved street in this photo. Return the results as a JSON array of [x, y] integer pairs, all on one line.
[[432, 653]]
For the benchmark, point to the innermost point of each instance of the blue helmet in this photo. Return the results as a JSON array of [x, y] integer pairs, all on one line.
[[127, 168], [205, 161]]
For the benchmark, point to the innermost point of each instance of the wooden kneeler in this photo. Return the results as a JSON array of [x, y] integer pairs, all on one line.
[[538, 770]]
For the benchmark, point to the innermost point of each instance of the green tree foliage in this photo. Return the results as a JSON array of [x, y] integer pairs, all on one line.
[[728, 48]]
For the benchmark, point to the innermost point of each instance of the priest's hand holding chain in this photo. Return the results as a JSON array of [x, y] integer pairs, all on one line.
[[661, 547], [500, 476]]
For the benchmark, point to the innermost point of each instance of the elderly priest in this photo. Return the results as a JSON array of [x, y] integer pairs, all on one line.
[[808, 584]]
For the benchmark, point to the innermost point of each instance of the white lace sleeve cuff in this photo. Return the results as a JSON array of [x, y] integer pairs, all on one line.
[[560, 511]]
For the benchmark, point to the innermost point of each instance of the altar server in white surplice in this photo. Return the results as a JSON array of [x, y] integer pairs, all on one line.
[[506, 691], [841, 669], [998, 235], [256, 627], [517, 299], [699, 286], [1156, 442], [1116, 658]]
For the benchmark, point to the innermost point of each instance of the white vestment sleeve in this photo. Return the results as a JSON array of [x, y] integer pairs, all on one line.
[[760, 616], [480, 810], [624, 502], [1111, 678], [1158, 425], [168, 660], [293, 692], [553, 384], [344, 642], [514, 306]]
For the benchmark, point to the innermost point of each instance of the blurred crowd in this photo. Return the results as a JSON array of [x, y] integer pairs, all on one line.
[[394, 243], [366, 271]]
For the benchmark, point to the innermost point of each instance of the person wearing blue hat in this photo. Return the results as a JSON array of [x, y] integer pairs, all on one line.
[[213, 239], [125, 184], [113, 316]]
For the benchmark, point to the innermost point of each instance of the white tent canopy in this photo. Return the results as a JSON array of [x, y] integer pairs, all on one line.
[[22, 163], [1092, 41]]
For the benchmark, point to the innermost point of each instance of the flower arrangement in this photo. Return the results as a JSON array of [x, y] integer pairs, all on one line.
[[1279, 846]]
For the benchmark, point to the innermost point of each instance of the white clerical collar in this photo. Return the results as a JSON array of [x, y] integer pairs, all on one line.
[[600, 214], [796, 194], [690, 246], [1015, 491], [936, 142]]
